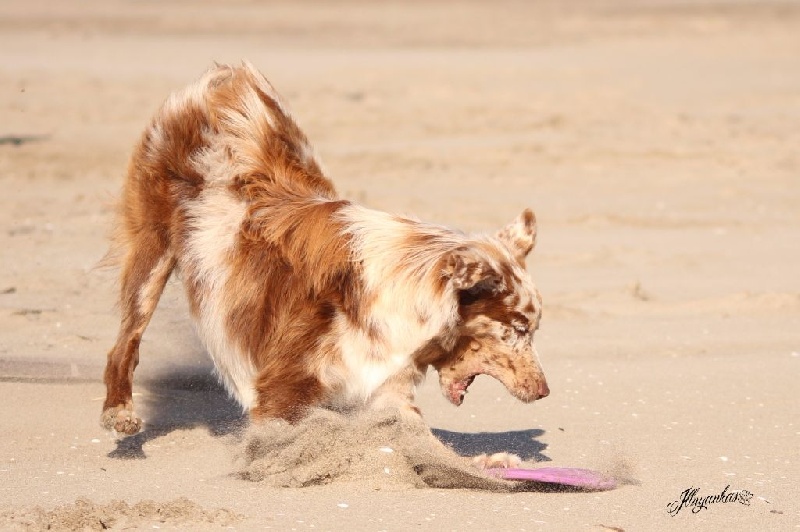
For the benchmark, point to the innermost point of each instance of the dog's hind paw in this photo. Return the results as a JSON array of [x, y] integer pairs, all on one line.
[[506, 460], [122, 419]]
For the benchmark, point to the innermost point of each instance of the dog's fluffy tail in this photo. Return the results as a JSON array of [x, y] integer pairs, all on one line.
[[231, 125], [255, 123]]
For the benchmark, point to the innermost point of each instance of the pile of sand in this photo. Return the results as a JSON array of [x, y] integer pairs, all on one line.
[[87, 515], [384, 450]]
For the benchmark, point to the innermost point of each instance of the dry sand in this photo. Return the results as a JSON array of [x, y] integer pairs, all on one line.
[[657, 142]]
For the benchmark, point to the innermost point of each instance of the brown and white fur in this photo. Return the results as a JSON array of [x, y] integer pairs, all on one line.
[[302, 298]]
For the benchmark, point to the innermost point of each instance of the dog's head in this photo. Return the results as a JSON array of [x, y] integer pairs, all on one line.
[[499, 311]]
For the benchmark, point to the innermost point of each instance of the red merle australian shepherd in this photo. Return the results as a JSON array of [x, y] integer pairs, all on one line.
[[300, 297]]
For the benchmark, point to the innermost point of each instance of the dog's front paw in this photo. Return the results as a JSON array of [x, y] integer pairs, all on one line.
[[122, 419], [505, 460]]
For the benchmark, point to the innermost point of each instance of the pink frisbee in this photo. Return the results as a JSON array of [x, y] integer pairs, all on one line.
[[566, 476]]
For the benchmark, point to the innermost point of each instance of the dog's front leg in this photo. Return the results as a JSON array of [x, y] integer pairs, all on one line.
[[285, 394], [503, 459], [398, 392]]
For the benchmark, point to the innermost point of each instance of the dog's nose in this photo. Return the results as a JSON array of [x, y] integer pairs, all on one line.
[[544, 391]]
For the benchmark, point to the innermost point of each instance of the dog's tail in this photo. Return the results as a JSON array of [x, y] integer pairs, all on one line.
[[269, 147], [230, 124]]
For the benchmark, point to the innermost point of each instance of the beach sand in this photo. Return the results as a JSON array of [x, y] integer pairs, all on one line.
[[657, 143]]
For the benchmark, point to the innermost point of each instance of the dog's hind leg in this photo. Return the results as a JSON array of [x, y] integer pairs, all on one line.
[[147, 265]]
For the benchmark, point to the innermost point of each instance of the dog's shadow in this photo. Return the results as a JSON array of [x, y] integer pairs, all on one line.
[[189, 399], [523, 443], [177, 401]]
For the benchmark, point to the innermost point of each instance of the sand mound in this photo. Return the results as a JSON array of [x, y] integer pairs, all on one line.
[[385, 450], [87, 515]]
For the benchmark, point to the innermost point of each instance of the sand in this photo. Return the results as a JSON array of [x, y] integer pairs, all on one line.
[[657, 143]]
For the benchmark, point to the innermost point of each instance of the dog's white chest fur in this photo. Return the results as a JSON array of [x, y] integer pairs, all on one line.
[[364, 374]]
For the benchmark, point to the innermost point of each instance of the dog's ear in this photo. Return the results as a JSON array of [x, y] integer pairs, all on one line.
[[520, 235], [467, 270]]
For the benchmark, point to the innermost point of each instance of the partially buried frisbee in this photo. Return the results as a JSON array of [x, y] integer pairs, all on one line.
[[567, 476]]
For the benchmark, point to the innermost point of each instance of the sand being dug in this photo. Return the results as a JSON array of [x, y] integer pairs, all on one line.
[[386, 450], [87, 515]]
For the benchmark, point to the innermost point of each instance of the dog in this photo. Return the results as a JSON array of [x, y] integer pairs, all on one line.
[[301, 298]]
